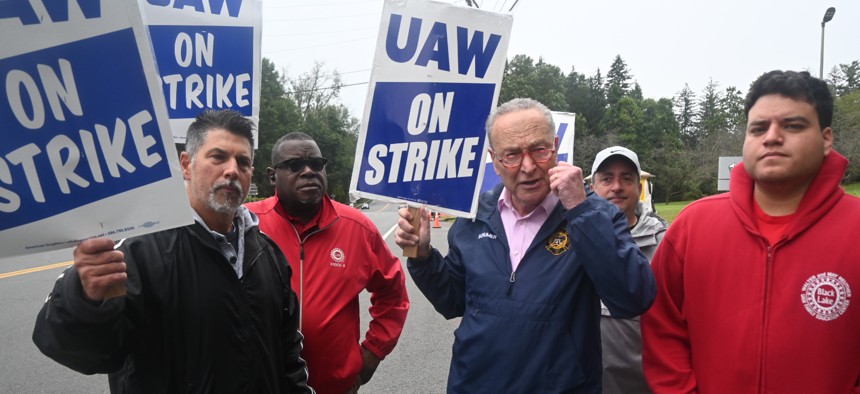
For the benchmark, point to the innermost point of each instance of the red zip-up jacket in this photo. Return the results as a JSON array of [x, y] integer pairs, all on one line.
[[332, 263], [735, 314]]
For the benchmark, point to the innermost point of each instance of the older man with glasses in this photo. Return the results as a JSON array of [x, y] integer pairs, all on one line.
[[527, 275], [336, 252]]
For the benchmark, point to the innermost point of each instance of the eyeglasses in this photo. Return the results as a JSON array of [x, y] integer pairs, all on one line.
[[299, 163], [541, 155]]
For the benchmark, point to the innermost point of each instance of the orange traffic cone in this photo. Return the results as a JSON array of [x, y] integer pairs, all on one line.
[[436, 223]]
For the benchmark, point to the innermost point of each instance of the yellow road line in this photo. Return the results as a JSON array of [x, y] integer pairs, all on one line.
[[35, 269]]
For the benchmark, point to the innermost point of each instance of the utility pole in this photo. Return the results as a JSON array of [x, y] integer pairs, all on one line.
[[828, 15]]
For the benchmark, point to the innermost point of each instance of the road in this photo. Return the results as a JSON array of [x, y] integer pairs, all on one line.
[[419, 363]]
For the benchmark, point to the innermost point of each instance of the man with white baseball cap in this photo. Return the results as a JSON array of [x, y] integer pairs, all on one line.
[[615, 177]]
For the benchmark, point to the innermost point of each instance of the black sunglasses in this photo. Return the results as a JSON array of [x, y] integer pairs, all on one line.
[[297, 164]]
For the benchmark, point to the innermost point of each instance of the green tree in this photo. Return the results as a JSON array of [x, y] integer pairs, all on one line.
[[684, 105], [278, 113], [709, 116], [636, 92], [625, 119], [575, 91], [659, 147], [846, 132], [541, 81], [732, 107], [618, 81], [315, 89], [658, 124], [845, 78], [549, 83], [594, 107], [518, 79]]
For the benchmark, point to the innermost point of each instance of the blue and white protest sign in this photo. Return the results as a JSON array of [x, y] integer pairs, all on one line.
[[436, 76], [564, 129], [87, 149], [208, 55]]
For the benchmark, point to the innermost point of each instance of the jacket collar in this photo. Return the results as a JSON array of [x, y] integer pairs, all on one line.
[[647, 223], [488, 203], [327, 214], [244, 218], [488, 211]]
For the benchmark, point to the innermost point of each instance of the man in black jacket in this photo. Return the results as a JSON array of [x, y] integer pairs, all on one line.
[[208, 307]]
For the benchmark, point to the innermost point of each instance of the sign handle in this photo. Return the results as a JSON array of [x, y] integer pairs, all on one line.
[[412, 251], [117, 290]]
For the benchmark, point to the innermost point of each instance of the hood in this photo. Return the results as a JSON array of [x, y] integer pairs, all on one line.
[[648, 222], [823, 193]]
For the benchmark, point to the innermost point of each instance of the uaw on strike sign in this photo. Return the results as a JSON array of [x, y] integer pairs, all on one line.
[[208, 54], [436, 76], [86, 148]]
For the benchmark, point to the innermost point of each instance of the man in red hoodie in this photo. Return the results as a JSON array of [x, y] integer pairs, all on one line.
[[754, 286], [335, 252]]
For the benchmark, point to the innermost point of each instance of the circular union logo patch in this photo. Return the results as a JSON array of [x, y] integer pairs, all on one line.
[[337, 255], [826, 296], [558, 243]]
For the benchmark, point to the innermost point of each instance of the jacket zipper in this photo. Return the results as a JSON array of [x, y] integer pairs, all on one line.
[[301, 280], [512, 280], [763, 341], [302, 265]]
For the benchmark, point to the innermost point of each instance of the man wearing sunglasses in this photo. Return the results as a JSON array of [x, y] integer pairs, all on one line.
[[527, 275], [336, 252]]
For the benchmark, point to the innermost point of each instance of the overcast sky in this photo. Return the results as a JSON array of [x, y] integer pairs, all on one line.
[[665, 43]]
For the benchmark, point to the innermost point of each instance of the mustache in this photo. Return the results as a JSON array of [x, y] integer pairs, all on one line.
[[230, 183]]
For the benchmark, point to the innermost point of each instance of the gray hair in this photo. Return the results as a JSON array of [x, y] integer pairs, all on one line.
[[514, 105]]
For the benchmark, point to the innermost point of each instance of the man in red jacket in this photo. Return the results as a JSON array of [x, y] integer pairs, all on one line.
[[754, 286], [335, 252]]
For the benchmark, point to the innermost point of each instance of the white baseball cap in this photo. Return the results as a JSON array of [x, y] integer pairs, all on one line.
[[615, 151]]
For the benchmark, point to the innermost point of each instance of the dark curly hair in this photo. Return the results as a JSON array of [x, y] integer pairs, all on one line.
[[796, 85]]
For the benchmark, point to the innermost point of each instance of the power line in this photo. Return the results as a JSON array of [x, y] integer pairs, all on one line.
[[320, 45], [320, 33], [344, 73], [320, 18], [352, 72], [515, 4], [327, 88], [314, 4]]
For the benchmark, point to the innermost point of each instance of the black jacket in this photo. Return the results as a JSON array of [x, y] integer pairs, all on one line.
[[187, 323]]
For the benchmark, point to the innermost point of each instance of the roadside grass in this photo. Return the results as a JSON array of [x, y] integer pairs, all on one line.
[[670, 211], [853, 189]]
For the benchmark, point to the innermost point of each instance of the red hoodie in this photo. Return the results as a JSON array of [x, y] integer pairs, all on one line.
[[343, 256], [734, 314]]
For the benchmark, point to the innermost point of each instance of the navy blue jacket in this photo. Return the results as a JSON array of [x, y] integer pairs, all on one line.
[[536, 330]]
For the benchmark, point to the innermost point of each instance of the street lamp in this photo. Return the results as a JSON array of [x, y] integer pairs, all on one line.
[[828, 15]]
